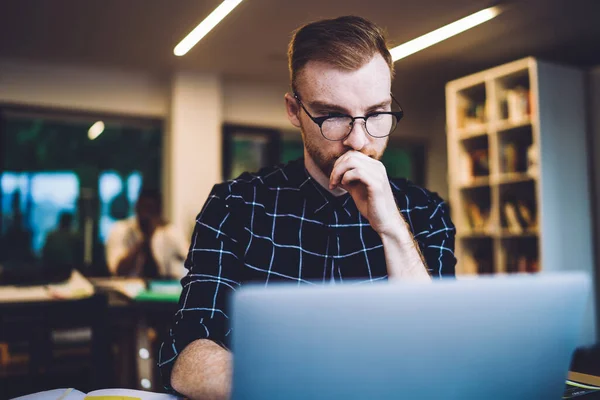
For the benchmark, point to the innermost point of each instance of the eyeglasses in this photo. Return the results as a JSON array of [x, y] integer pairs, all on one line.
[[337, 126]]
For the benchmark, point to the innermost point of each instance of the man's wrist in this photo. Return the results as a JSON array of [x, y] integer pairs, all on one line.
[[397, 230]]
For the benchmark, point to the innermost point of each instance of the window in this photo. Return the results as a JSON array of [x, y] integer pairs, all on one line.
[[53, 169]]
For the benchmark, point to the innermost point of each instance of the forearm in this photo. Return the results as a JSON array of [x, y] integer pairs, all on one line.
[[203, 371], [128, 263], [402, 255]]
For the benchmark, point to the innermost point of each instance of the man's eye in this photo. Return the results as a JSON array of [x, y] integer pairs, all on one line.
[[335, 114]]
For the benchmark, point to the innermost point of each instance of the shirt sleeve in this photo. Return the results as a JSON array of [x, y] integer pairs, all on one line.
[[116, 246], [438, 249], [178, 248], [214, 268]]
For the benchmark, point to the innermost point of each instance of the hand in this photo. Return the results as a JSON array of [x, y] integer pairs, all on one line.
[[367, 182], [148, 226]]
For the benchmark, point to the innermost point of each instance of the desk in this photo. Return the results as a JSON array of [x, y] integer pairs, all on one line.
[[36, 324], [115, 328], [134, 326]]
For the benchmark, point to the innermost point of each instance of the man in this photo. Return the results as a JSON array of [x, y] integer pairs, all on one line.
[[63, 250], [331, 217], [145, 245]]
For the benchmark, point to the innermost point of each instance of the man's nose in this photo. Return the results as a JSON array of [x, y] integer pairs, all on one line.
[[358, 137]]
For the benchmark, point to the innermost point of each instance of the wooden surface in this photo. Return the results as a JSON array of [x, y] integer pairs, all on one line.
[[584, 378]]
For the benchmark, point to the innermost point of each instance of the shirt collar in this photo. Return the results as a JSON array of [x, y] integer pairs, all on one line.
[[317, 197]]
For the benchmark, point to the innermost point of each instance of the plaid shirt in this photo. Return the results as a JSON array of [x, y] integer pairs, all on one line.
[[281, 225]]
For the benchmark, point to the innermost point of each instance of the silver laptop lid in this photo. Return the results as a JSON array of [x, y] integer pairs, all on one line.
[[503, 337]]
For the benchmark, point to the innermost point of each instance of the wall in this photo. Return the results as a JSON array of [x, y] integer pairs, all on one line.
[[193, 145], [89, 89], [433, 130], [258, 104], [425, 122]]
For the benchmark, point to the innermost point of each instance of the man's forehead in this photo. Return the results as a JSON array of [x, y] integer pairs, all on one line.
[[319, 81]]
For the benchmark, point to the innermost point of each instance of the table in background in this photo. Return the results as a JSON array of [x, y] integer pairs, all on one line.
[[136, 327], [92, 342], [49, 359]]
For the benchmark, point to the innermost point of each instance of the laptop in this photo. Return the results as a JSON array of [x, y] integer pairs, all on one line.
[[508, 337]]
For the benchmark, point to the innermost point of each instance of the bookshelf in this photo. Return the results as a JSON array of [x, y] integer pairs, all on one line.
[[518, 172]]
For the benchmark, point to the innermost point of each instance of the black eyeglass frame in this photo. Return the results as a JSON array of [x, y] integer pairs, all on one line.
[[321, 120]]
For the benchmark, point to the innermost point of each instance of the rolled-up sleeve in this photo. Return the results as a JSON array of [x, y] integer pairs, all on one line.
[[438, 248], [214, 268], [116, 246]]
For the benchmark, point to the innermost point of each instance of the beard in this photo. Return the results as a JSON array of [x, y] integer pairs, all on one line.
[[325, 160]]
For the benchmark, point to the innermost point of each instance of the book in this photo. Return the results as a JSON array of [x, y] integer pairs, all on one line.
[[512, 219], [480, 163], [76, 287], [518, 104], [102, 394], [509, 157], [579, 384], [478, 218], [129, 287]]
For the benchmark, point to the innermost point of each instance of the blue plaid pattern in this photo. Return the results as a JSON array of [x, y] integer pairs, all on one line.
[[281, 225]]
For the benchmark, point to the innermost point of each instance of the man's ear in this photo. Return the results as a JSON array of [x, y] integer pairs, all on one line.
[[293, 110]]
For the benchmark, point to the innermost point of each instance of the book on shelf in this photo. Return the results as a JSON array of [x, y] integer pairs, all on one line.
[[516, 104], [522, 263], [477, 261], [516, 158], [532, 160], [509, 157], [512, 220], [475, 164], [479, 219], [519, 216], [526, 216], [480, 163], [472, 114]]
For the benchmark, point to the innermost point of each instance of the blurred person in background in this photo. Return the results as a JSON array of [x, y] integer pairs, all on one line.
[[63, 250], [18, 264], [18, 238], [145, 245]]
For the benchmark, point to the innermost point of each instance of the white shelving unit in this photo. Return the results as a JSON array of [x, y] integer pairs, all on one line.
[[518, 170]]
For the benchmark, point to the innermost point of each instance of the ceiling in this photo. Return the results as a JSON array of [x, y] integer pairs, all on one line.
[[251, 42]]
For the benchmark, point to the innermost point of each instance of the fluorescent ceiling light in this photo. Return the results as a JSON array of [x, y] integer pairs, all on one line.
[[205, 26], [96, 130], [444, 33]]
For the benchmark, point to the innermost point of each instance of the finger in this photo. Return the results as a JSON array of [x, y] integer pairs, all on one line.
[[351, 159], [344, 157], [351, 177], [339, 169], [357, 175]]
